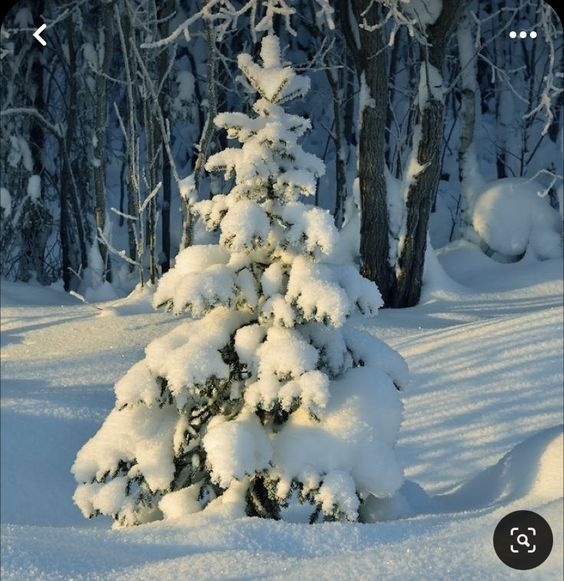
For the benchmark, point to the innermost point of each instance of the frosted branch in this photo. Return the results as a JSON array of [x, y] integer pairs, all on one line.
[[123, 214], [115, 251], [150, 197]]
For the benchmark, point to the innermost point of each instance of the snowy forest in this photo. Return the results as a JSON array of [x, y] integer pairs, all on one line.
[[281, 288], [414, 107]]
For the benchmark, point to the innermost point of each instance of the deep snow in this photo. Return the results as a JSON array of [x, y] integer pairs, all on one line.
[[481, 437]]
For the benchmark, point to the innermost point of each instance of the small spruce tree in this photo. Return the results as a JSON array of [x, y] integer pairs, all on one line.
[[267, 399]]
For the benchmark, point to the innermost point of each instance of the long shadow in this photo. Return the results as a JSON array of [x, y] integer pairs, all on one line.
[[443, 313], [45, 325], [9, 338]]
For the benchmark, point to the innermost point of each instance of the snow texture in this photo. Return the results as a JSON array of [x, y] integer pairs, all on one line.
[[237, 448], [478, 441]]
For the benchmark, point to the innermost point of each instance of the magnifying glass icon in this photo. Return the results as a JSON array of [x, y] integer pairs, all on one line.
[[523, 540]]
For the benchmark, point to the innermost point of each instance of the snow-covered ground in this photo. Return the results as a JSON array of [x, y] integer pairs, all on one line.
[[481, 437]]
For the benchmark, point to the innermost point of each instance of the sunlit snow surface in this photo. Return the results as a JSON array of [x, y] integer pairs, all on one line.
[[481, 437]]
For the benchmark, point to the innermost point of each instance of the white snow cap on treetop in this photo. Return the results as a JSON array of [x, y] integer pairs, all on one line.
[[274, 82]]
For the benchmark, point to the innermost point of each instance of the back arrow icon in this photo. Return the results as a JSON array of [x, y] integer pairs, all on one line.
[[37, 34]]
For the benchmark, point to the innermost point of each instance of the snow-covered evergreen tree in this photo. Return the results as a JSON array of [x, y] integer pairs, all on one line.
[[267, 396]]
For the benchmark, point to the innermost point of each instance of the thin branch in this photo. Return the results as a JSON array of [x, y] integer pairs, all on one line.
[[33, 113], [115, 251]]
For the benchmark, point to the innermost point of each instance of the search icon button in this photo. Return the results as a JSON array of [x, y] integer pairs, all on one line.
[[523, 540]]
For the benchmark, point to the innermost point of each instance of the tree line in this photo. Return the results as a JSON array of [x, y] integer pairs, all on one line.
[[414, 106]]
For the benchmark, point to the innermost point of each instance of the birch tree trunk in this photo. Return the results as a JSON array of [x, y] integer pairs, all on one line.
[[151, 136], [468, 165], [207, 130], [336, 83]]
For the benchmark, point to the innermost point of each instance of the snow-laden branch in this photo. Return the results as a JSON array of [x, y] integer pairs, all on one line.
[[325, 13], [184, 28], [262, 14], [554, 177], [550, 91], [393, 13]]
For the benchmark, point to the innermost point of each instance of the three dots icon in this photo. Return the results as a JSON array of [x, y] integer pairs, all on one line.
[[523, 34]]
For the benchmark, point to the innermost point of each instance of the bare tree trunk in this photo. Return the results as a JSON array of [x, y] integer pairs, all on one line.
[[557, 124], [165, 212], [38, 219], [68, 184], [370, 60], [504, 108], [163, 12], [64, 226], [125, 32], [391, 96], [132, 181], [208, 130], [529, 56], [106, 38], [348, 114], [406, 290]]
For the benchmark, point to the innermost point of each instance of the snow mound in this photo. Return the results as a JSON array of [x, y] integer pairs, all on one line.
[[533, 469], [435, 279], [103, 292], [138, 302], [512, 217], [18, 294]]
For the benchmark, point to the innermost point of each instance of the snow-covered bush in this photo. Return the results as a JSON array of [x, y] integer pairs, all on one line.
[[267, 396], [512, 218]]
